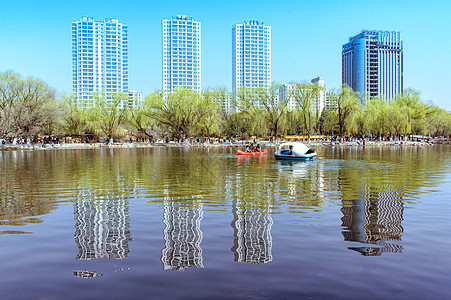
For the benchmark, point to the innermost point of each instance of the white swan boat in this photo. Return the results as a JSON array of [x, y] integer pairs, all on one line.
[[295, 150]]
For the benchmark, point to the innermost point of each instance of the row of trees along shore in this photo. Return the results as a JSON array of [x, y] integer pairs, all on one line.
[[30, 108]]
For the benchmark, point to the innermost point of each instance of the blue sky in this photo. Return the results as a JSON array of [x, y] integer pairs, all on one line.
[[35, 38]]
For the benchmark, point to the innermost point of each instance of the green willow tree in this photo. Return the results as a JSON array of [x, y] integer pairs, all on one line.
[[348, 110], [38, 108], [10, 87], [212, 100], [28, 106], [294, 122], [304, 95], [75, 119], [238, 124], [230, 124], [109, 113], [376, 115], [404, 115], [415, 110], [395, 120], [264, 108], [328, 121], [139, 120], [181, 112], [438, 121]]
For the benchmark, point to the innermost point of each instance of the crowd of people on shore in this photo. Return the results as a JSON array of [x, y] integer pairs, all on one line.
[[250, 145], [30, 140]]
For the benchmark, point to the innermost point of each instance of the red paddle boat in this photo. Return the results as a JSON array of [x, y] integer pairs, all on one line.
[[263, 152]]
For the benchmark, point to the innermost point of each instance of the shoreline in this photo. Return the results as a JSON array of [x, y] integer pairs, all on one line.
[[267, 144]]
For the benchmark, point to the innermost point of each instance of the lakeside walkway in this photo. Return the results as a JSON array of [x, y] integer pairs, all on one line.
[[237, 144]]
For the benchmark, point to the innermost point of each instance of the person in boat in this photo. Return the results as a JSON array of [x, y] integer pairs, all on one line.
[[287, 150], [247, 149], [258, 148]]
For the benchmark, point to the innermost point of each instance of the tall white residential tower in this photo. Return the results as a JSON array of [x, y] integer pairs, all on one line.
[[99, 58], [251, 55], [181, 53]]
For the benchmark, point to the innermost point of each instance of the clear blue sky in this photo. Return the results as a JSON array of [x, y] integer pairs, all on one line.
[[35, 38]]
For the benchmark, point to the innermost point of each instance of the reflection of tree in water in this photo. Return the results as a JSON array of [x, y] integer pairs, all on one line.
[[374, 220], [22, 198], [34, 182], [405, 169], [102, 227], [17, 209], [190, 173], [182, 235]]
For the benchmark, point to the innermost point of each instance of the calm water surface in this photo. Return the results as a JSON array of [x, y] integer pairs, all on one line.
[[201, 223]]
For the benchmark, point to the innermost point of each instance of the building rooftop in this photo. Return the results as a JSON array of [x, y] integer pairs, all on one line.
[[253, 22], [89, 19], [182, 17], [367, 33]]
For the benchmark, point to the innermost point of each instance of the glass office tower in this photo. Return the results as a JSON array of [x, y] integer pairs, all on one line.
[[372, 63]]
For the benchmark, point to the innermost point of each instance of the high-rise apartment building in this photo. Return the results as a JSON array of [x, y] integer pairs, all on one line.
[[181, 53], [221, 98], [331, 102], [135, 99], [320, 100], [99, 58], [251, 55], [372, 63], [319, 95]]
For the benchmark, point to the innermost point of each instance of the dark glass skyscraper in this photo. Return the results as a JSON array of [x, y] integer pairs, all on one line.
[[372, 63]]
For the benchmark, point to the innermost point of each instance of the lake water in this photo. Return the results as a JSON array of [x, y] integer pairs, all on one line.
[[182, 223]]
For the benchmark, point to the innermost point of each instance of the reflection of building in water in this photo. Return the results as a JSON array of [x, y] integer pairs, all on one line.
[[86, 274], [304, 183], [102, 228], [375, 220], [182, 236], [252, 232]]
